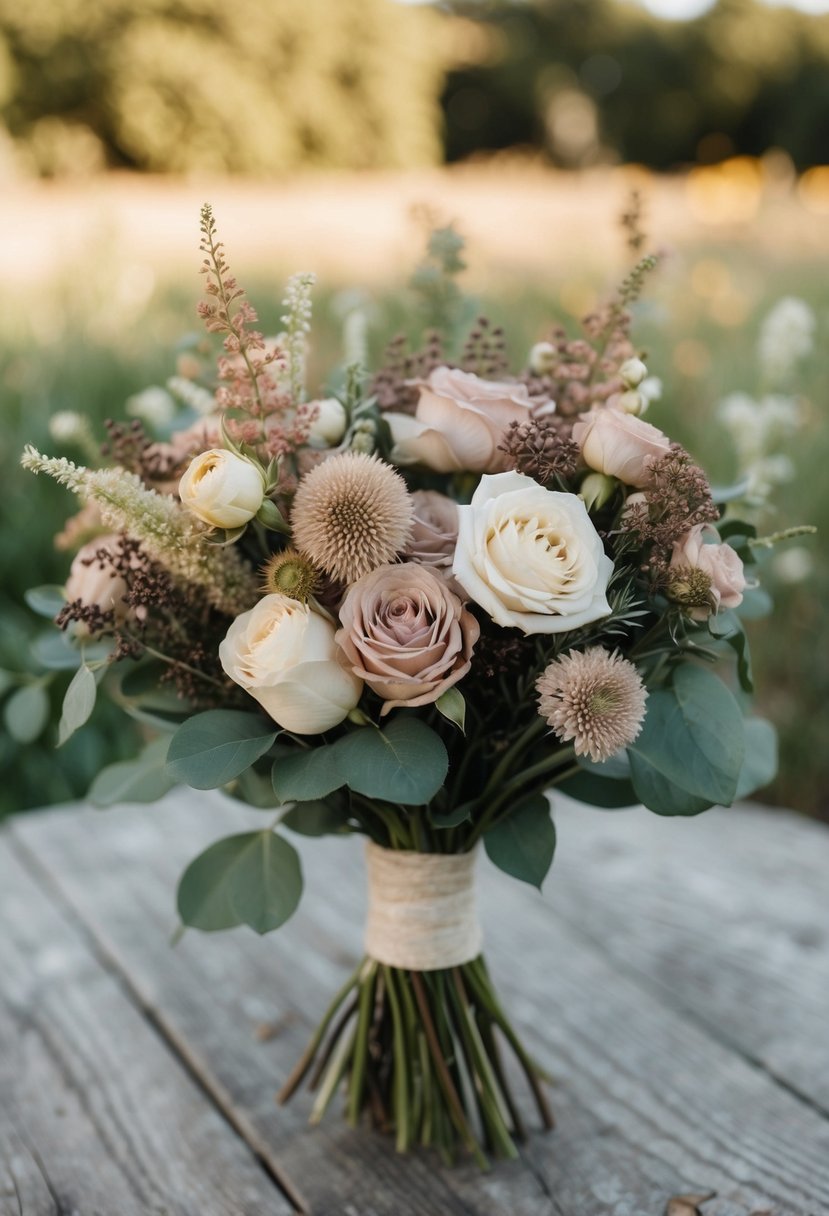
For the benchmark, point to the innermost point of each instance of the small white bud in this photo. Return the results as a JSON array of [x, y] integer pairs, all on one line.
[[542, 357], [632, 402], [66, 426], [633, 372], [597, 489], [329, 424]]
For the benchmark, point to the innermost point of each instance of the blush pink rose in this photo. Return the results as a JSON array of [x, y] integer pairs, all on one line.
[[94, 581], [619, 444], [406, 634], [434, 531], [459, 422], [715, 558]]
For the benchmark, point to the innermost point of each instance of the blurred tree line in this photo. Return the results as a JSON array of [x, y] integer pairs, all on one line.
[[261, 86], [587, 80], [252, 86]]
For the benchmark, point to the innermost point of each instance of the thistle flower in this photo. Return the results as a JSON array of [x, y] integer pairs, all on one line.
[[289, 573], [351, 514], [595, 698]]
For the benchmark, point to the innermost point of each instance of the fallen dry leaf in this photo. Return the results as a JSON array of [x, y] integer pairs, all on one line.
[[687, 1205]]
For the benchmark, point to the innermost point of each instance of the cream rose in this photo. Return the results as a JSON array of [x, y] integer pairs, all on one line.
[[459, 422], [222, 489], [716, 559], [285, 656], [531, 557], [406, 634], [619, 444]]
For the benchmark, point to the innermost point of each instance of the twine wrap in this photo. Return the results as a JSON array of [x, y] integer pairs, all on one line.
[[421, 909]]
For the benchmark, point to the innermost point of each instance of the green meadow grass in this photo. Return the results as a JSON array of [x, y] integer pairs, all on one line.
[[698, 325]]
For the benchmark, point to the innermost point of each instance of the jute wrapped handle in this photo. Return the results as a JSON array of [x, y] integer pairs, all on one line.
[[422, 914]]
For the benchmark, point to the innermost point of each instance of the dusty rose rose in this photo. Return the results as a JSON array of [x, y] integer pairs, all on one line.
[[718, 561], [619, 444], [434, 531], [406, 634], [459, 422], [94, 585]]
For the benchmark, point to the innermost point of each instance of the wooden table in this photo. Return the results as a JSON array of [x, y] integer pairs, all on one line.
[[674, 978]]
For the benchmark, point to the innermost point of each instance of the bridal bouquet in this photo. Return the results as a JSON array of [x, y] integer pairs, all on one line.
[[409, 609]]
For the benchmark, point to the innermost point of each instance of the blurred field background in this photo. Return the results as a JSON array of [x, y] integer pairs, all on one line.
[[328, 136]]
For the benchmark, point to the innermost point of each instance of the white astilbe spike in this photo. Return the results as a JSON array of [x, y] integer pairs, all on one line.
[[167, 532]]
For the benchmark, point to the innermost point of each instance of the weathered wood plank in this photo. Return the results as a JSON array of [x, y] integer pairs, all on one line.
[[96, 1116], [649, 1105], [727, 914]]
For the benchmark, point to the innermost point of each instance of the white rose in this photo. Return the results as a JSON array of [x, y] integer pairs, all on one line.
[[531, 557], [222, 489], [285, 656], [328, 427]]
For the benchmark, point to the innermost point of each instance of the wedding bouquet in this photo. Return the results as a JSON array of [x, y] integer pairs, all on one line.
[[409, 609]]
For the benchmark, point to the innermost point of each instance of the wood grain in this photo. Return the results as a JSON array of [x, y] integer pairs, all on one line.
[[97, 1116], [727, 915], [650, 1104]]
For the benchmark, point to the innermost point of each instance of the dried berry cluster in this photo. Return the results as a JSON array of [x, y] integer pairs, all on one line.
[[393, 384], [676, 499], [539, 449]]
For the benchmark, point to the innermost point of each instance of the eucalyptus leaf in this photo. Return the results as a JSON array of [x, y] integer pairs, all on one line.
[[609, 793], [405, 762], [452, 705], [723, 494], [78, 703], [453, 818], [755, 605], [253, 878], [213, 747], [725, 626], [760, 764], [144, 779], [54, 649], [660, 795], [307, 775], [26, 712], [523, 844], [46, 600], [692, 735], [317, 818]]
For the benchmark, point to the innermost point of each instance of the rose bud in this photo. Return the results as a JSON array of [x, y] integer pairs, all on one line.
[[222, 489]]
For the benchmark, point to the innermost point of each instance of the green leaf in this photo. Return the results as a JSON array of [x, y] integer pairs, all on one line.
[[144, 779], [451, 819], [45, 601], [78, 703], [452, 705], [254, 789], [760, 764], [693, 736], [213, 747], [26, 713], [756, 604], [735, 527], [523, 843], [610, 793], [405, 762], [253, 878], [317, 818], [660, 795], [307, 775], [54, 650], [7, 680], [725, 626]]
